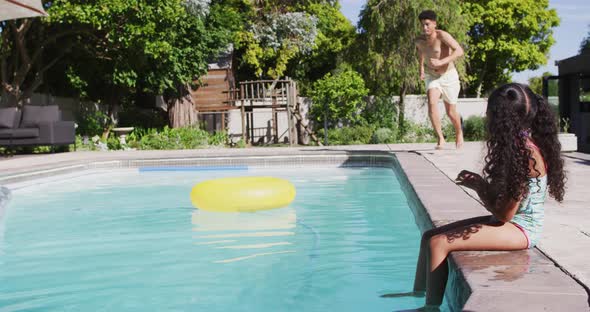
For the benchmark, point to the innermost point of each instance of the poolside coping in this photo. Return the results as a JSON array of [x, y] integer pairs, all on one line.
[[479, 281]]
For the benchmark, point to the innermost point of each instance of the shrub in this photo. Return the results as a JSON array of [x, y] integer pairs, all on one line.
[[219, 138], [415, 133], [350, 135], [175, 138], [448, 130], [381, 112], [474, 128], [113, 142], [91, 123], [338, 98], [384, 136]]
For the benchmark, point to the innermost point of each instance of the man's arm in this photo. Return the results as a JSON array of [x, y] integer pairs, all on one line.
[[453, 44], [421, 60]]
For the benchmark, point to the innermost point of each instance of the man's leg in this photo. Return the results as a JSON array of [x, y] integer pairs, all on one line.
[[456, 121], [433, 97]]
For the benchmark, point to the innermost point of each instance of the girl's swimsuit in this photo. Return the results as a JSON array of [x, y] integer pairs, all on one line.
[[531, 212]]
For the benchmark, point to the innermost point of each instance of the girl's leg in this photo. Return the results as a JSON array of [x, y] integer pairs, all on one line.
[[478, 236], [423, 266]]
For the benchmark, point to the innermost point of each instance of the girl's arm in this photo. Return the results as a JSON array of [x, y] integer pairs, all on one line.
[[505, 212], [502, 211]]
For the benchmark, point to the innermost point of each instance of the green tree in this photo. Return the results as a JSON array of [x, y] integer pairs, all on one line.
[[109, 49], [29, 48], [388, 29], [155, 47], [536, 84], [335, 34], [338, 98], [506, 36], [273, 38], [300, 39], [585, 44]]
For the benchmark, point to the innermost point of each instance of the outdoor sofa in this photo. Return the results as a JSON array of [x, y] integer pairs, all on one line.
[[35, 125]]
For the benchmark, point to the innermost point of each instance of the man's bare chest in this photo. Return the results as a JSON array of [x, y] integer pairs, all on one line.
[[435, 49]]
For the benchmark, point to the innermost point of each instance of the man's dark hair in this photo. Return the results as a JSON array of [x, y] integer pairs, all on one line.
[[427, 14]]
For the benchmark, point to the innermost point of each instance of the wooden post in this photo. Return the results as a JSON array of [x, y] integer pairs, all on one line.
[[275, 126], [251, 111], [289, 112], [243, 113]]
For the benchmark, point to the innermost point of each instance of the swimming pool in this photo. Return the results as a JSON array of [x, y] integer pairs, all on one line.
[[130, 240]]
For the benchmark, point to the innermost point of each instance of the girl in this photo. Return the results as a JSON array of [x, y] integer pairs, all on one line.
[[523, 161]]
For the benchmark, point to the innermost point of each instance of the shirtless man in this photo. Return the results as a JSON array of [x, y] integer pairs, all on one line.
[[437, 50]]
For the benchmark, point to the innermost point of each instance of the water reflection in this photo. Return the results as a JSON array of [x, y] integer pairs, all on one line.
[[234, 231]]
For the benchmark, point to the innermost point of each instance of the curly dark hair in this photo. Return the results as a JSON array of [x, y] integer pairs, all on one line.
[[513, 111], [427, 14]]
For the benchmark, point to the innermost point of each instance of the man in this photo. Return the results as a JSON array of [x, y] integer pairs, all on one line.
[[437, 51]]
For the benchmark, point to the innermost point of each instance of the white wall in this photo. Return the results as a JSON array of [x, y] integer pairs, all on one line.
[[416, 109]]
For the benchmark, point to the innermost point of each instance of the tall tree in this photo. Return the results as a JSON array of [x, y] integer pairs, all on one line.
[[335, 34], [506, 36], [388, 29], [585, 44], [24, 57], [117, 47], [536, 84], [275, 38]]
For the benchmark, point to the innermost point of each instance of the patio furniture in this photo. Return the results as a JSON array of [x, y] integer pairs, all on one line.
[[34, 126]]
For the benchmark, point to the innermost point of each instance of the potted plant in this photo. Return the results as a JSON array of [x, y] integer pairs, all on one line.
[[569, 141]]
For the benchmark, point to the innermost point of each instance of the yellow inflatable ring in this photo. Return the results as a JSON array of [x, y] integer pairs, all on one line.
[[242, 194]]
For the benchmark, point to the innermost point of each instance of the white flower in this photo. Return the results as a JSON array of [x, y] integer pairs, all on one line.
[[198, 8]]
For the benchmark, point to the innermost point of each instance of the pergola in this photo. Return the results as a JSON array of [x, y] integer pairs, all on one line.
[[574, 96]]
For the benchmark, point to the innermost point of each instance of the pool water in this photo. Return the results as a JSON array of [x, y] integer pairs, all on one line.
[[130, 240]]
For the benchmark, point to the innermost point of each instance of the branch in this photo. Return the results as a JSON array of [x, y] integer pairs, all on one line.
[[24, 70], [8, 88], [55, 37], [3, 57], [24, 26], [39, 76], [19, 40]]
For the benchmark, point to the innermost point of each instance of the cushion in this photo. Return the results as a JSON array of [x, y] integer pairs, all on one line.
[[34, 115], [7, 117], [19, 133], [17, 117]]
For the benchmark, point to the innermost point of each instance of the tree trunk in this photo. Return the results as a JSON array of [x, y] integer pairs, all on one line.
[[181, 109], [478, 90], [480, 84], [112, 113]]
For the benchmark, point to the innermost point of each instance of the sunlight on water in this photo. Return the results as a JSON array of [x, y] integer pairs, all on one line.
[[131, 241]]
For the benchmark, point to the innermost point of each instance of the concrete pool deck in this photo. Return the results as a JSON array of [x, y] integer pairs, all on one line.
[[553, 277]]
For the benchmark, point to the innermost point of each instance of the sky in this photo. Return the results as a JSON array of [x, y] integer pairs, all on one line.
[[573, 28]]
